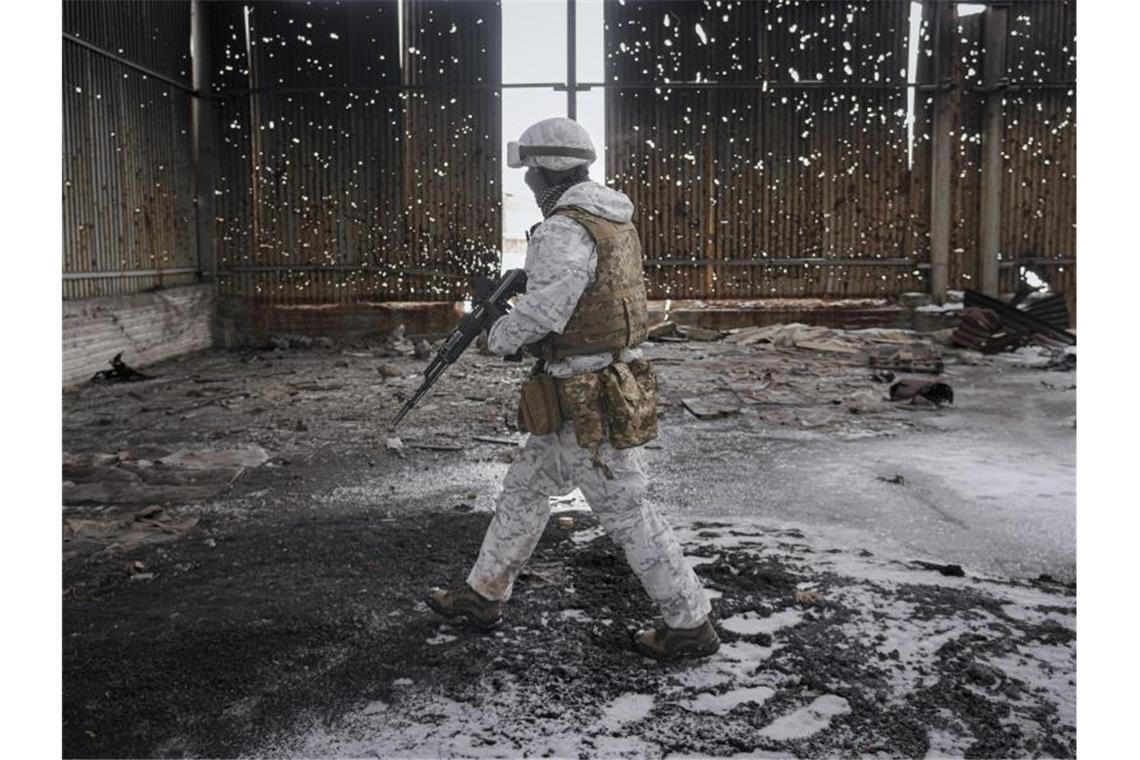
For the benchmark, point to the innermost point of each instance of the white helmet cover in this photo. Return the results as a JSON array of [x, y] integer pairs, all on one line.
[[556, 144]]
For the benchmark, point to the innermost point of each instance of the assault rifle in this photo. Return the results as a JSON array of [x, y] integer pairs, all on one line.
[[486, 309]]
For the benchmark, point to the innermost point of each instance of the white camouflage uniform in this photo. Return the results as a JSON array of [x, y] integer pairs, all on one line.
[[560, 264]]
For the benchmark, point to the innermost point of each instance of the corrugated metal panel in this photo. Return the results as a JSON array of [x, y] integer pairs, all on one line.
[[811, 170], [452, 169], [965, 210], [152, 33], [1042, 44], [814, 166], [336, 185], [127, 170], [1039, 192]]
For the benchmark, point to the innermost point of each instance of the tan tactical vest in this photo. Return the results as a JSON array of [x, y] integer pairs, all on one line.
[[612, 313]]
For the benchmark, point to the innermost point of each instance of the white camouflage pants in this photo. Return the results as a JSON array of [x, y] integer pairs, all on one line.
[[552, 465]]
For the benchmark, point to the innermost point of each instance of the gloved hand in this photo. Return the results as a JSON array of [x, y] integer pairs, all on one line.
[[494, 312], [484, 288]]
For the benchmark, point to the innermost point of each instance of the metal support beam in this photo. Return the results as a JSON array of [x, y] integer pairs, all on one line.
[[571, 59], [102, 275], [941, 143], [993, 76], [128, 63], [203, 136]]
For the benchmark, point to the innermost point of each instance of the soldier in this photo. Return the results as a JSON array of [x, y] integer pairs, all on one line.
[[584, 313]]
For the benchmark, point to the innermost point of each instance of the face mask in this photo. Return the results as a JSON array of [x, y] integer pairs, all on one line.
[[548, 198]]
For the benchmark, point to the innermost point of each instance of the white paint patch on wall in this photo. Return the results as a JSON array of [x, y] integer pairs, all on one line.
[[145, 327]]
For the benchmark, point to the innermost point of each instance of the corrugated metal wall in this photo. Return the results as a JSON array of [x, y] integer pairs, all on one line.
[[358, 163], [351, 170], [1039, 193], [128, 191], [789, 175]]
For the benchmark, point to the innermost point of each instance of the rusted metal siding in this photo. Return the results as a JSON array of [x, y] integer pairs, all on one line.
[[808, 173], [454, 124], [127, 171], [788, 176], [152, 33], [1039, 191], [344, 176]]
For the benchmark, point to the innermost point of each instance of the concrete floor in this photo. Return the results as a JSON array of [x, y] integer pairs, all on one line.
[[989, 484], [247, 544]]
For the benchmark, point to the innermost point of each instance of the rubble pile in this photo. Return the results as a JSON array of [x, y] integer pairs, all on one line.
[[991, 326]]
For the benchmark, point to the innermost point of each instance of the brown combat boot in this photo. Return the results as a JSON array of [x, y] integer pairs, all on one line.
[[463, 601], [665, 643]]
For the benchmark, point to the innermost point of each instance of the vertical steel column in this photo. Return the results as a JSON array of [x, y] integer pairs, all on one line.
[[993, 125], [942, 140], [203, 134], [571, 59]]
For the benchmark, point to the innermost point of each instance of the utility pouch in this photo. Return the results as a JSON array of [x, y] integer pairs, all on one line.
[[629, 394], [581, 400], [539, 413]]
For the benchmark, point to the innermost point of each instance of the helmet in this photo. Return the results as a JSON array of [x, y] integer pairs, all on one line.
[[556, 144]]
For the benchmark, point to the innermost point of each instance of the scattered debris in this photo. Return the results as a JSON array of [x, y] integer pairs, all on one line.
[[990, 326], [285, 342], [541, 576], [120, 372], [433, 446], [796, 335], [388, 370], [952, 571], [691, 332], [395, 445], [121, 536], [807, 597], [421, 349], [981, 330], [713, 405], [500, 441], [665, 332], [1064, 360], [672, 331], [912, 358], [191, 459], [918, 392], [154, 476], [397, 344], [914, 300], [1053, 310]]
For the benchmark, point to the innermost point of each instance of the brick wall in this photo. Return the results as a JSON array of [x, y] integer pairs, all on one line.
[[146, 327]]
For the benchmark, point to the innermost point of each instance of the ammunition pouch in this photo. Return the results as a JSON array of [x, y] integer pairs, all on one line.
[[539, 412], [629, 393], [617, 405], [581, 400]]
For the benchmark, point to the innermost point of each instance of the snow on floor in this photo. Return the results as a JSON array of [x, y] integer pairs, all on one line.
[[913, 642], [729, 700], [751, 622], [628, 708], [807, 720]]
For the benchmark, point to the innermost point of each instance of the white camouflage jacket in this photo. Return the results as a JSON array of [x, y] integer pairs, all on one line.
[[560, 263]]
